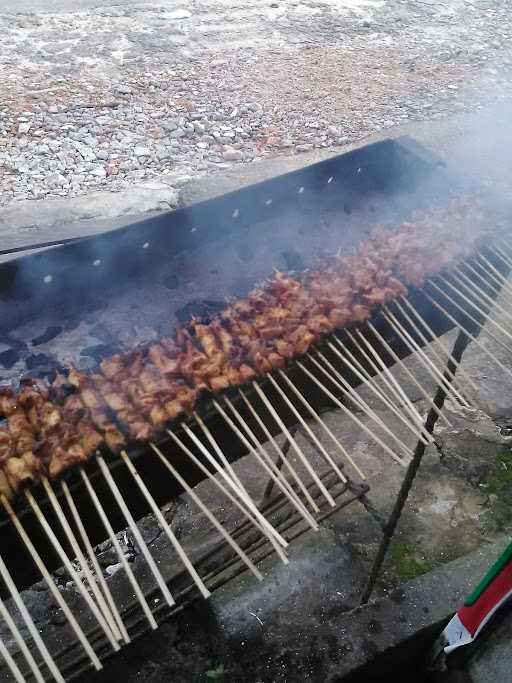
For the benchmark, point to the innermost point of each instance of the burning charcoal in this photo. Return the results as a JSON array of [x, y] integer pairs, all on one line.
[[100, 351], [9, 358], [171, 281], [50, 333], [199, 309], [293, 259]]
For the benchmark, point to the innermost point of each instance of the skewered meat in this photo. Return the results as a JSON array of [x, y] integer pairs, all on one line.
[[49, 429]]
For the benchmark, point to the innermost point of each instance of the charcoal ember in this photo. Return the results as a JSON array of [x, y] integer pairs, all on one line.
[[203, 309], [8, 358], [50, 333], [40, 364], [100, 351]]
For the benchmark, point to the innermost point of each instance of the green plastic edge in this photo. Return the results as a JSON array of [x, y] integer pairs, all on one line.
[[492, 573]]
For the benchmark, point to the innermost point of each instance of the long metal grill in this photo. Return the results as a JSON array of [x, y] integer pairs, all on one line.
[[59, 526]]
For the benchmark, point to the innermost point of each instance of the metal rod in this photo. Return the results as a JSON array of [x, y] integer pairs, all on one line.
[[51, 584], [348, 412], [29, 622], [322, 424], [305, 426], [270, 468], [458, 349], [281, 454], [211, 517], [115, 634], [295, 447], [135, 531], [122, 559], [441, 346], [94, 561], [21, 644], [165, 526], [344, 386]]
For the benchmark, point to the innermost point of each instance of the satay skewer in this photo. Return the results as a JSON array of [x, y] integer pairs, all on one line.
[[29, 622], [135, 531], [484, 314], [270, 468], [505, 283], [294, 445], [36, 671], [165, 525], [469, 335], [209, 515], [337, 379], [432, 348], [502, 254], [490, 279], [273, 536], [483, 297], [322, 424], [437, 341], [309, 431], [94, 561], [484, 328], [98, 615], [107, 614], [51, 584], [280, 454], [374, 388], [350, 414], [119, 552]]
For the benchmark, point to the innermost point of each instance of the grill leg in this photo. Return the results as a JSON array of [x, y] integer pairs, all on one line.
[[389, 528]]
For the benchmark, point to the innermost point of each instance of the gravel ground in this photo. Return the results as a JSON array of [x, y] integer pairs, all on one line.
[[105, 97]]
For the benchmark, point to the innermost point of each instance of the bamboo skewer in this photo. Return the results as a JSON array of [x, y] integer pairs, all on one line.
[[267, 529], [344, 386], [501, 278], [227, 465], [122, 559], [433, 349], [374, 388], [374, 358], [135, 531], [348, 412], [434, 371], [441, 346], [504, 257], [18, 676], [208, 514], [322, 424], [481, 296], [472, 318], [21, 644], [51, 585], [280, 454], [29, 622], [272, 470], [294, 445], [469, 335], [481, 312], [71, 570], [109, 619], [94, 561], [215, 481], [165, 526], [309, 431], [492, 280]]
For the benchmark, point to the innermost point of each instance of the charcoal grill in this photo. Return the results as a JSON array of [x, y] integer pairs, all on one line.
[[88, 298]]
